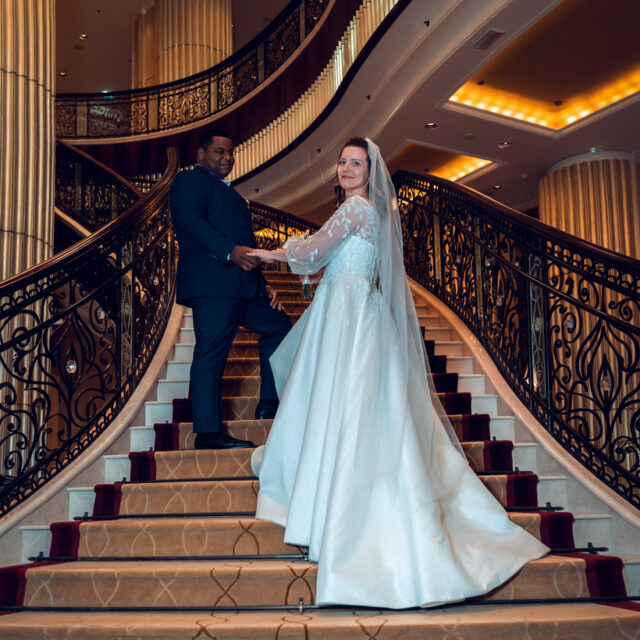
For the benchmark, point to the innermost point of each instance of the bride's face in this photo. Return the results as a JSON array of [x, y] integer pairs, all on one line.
[[353, 173]]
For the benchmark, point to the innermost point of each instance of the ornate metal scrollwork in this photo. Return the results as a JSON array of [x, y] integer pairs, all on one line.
[[560, 319], [164, 107], [87, 191], [76, 335], [273, 227]]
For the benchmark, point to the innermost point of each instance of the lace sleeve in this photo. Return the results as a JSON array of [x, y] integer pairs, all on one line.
[[306, 255]]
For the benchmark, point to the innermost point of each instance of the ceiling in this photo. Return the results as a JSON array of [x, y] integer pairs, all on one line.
[[550, 51], [550, 56], [102, 61]]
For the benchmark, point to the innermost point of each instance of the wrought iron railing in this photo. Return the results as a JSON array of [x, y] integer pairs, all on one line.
[[76, 335], [560, 317], [183, 102], [272, 227], [87, 191]]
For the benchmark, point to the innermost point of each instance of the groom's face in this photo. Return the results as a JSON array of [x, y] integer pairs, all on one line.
[[217, 157]]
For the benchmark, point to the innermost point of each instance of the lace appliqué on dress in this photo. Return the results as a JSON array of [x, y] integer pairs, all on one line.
[[356, 216]]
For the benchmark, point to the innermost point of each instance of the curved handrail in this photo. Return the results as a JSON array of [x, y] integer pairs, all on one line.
[[88, 191], [559, 316], [76, 335], [188, 100], [278, 117]]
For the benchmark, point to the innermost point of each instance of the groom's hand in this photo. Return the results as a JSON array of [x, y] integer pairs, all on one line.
[[239, 255], [274, 298]]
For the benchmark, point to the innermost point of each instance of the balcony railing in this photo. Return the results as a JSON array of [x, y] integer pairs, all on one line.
[[560, 317], [190, 100]]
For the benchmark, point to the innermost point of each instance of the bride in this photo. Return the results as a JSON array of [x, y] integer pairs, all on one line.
[[361, 465]]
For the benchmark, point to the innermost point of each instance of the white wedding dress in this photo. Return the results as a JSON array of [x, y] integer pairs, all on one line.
[[383, 499]]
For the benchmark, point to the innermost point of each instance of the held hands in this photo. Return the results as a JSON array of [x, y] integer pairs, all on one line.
[[244, 258], [277, 255]]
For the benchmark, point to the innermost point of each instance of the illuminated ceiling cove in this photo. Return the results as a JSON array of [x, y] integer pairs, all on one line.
[[579, 59]]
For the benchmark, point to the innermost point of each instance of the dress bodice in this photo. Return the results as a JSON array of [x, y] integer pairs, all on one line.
[[357, 258], [347, 244]]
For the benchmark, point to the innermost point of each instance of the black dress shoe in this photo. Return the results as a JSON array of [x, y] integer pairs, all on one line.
[[220, 440], [266, 409]]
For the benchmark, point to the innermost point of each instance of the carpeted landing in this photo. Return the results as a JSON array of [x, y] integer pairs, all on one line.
[[175, 552]]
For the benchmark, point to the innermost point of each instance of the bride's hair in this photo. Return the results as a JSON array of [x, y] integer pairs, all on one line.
[[351, 142]]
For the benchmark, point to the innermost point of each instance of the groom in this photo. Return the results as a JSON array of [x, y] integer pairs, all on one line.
[[222, 284]]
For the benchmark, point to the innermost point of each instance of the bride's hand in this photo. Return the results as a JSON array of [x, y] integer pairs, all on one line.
[[278, 255]]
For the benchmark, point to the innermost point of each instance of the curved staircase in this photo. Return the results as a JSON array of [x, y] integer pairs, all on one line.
[[169, 548]]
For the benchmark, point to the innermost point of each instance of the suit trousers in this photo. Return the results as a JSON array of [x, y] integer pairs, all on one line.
[[216, 322]]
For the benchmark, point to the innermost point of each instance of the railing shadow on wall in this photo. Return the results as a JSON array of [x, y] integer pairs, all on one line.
[[76, 335], [189, 100], [559, 316]]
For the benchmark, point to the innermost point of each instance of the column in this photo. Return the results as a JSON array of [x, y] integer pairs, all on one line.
[[177, 38], [27, 137], [595, 196]]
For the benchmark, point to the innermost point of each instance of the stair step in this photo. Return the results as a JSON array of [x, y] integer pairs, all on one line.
[[188, 583], [588, 620], [553, 489], [460, 364], [632, 573], [170, 435], [188, 536], [34, 539], [592, 527], [242, 385], [218, 535], [141, 437], [226, 463], [239, 495], [260, 582], [525, 455], [502, 427]]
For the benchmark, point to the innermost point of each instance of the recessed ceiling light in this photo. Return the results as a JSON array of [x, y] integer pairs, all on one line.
[[469, 135], [504, 144], [83, 36], [431, 125], [62, 74], [497, 187]]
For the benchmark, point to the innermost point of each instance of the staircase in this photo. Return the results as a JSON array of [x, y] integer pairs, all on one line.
[[169, 547]]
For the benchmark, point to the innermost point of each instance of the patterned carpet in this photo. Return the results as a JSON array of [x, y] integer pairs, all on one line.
[[169, 552]]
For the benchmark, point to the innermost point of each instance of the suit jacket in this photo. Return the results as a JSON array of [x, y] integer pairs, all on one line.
[[210, 218]]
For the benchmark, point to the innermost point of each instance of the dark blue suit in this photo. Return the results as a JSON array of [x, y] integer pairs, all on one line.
[[210, 219]]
